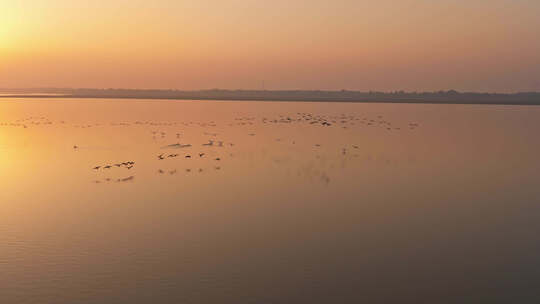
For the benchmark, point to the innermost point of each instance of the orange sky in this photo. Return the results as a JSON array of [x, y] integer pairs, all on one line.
[[475, 45]]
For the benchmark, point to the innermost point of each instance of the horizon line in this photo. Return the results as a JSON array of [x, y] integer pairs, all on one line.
[[400, 91]]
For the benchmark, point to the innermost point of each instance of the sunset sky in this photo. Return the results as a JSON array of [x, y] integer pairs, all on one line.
[[473, 45]]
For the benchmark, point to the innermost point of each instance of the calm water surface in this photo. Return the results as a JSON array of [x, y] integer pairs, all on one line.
[[262, 202]]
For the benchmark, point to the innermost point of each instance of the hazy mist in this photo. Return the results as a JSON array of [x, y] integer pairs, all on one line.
[[359, 45]]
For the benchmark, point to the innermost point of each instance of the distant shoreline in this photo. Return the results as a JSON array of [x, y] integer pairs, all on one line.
[[400, 101], [441, 97]]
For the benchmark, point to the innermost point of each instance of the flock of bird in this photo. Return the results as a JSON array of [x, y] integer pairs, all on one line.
[[163, 156], [127, 165], [342, 120], [162, 132], [123, 165]]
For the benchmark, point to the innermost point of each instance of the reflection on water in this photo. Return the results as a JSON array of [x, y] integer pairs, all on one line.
[[113, 201]]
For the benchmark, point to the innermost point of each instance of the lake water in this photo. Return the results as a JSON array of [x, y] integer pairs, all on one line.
[[268, 202]]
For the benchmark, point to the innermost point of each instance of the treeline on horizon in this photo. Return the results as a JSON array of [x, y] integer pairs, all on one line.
[[450, 96]]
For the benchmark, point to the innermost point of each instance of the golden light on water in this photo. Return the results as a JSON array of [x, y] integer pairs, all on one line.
[[370, 191]]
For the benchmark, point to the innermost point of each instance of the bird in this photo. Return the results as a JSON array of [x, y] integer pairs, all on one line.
[[126, 179]]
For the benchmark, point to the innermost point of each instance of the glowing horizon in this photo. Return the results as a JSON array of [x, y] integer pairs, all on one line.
[[413, 45]]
